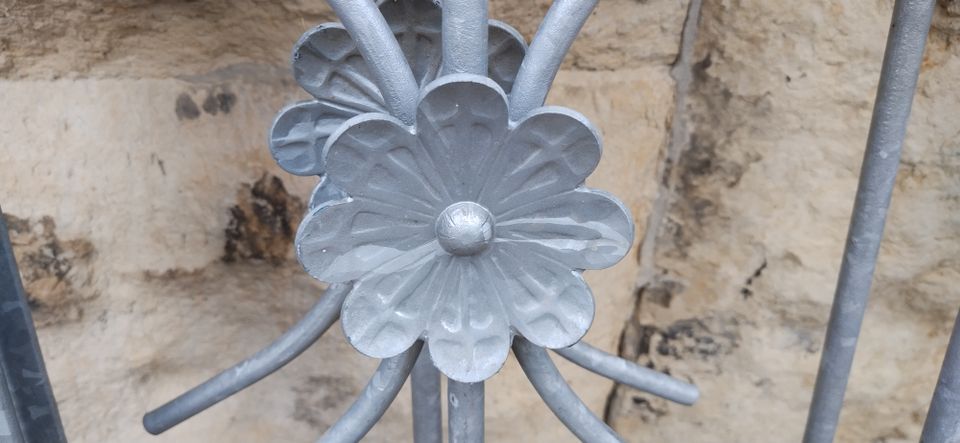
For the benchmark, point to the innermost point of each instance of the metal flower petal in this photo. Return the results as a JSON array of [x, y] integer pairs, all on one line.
[[461, 122], [583, 228], [328, 65], [548, 303], [375, 157], [345, 240], [469, 333], [388, 309], [552, 150]]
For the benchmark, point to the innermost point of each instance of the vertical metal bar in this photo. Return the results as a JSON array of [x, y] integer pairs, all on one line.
[[265, 362], [558, 396], [381, 51], [425, 390], [466, 411], [464, 37], [943, 418], [29, 407], [551, 43], [375, 398], [898, 80]]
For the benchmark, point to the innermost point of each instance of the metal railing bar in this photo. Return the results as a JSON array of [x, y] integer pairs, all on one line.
[[268, 360], [425, 390], [943, 419], [898, 81], [549, 46], [375, 398], [383, 55], [630, 373], [465, 406], [30, 409], [464, 37], [558, 396]]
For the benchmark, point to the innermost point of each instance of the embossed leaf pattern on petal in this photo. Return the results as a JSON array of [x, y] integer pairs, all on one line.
[[551, 151], [387, 310], [549, 304], [583, 228], [469, 333], [463, 229], [342, 242], [299, 133], [461, 121], [374, 157]]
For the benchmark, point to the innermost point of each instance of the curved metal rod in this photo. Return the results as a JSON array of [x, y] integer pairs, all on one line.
[[381, 51], [465, 410], [630, 373], [375, 398], [551, 43], [425, 390], [291, 344], [556, 393], [464, 37]]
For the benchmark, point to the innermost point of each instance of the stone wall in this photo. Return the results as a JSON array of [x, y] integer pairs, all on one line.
[[153, 227]]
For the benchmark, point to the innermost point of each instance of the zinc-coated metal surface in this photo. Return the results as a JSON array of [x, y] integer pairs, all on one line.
[[465, 406], [898, 81], [425, 390], [630, 373]]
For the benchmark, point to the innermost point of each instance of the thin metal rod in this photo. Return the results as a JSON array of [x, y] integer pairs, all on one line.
[[551, 43], [381, 51], [630, 373], [943, 419], [464, 37], [291, 344], [558, 396], [425, 390], [898, 80], [30, 409], [375, 398], [466, 411]]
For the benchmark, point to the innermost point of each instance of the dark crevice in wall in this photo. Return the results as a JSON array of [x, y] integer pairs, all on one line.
[[678, 142]]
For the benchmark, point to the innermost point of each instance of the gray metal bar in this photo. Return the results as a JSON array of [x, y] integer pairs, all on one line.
[[29, 408], [291, 344], [558, 396], [943, 419], [9, 426], [630, 373], [898, 80], [375, 398], [425, 390], [551, 43], [466, 411], [381, 51], [464, 37]]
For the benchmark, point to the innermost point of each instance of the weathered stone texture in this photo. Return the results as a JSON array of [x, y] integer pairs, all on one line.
[[749, 251]]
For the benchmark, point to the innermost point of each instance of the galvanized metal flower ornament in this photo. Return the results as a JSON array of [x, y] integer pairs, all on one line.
[[465, 228], [451, 215]]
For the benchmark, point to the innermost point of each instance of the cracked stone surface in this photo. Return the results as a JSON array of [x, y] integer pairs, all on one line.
[[139, 130]]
